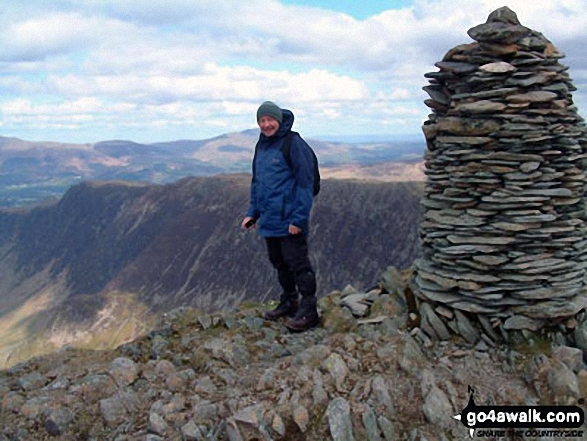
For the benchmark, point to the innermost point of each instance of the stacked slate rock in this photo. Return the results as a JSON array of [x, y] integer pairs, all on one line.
[[504, 224]]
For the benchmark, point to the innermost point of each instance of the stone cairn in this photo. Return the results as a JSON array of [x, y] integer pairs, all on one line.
[[503, 235]]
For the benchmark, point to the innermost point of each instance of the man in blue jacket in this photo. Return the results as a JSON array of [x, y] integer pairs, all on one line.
[[281, 200]]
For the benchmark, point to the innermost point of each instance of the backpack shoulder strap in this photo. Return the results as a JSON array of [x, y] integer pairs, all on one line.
[[255, 158], [286, 147]]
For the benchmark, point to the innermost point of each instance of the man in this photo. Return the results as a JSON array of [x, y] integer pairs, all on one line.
[[281, 200]]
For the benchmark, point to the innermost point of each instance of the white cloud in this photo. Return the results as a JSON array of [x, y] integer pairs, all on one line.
[[210, 62], [217, 83]]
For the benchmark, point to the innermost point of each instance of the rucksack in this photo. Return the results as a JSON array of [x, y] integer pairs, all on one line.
[[286, 151]]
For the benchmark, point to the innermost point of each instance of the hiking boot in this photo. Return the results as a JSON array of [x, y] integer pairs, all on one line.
[[307, 316], [287, 307]]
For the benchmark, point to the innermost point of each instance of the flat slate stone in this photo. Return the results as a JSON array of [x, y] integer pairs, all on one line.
[[498, 67], [483, 240], [437, 95], [498, 33], [537, 294], [435, 322], [519, 322], [506, 156], [469, 249], [483, 106], [515, 226], [456, 67], [468, 140], [533, 97], [467, 126]]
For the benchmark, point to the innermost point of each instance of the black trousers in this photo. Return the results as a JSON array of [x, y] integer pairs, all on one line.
[[289, 256]]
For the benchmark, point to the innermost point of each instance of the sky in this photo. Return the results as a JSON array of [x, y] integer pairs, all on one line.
[[90, 70]]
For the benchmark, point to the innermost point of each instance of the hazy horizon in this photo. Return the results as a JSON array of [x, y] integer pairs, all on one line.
[[351, 139]]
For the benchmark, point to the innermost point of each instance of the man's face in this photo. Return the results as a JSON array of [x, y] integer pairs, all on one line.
[[268, 125]]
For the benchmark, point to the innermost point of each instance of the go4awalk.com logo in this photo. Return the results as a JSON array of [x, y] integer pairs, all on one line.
[[522, 421]]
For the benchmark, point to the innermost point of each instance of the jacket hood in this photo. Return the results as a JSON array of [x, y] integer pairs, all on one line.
[[285, 126], [286, 123]]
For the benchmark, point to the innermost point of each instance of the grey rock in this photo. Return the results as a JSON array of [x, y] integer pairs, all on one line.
[[34, 407], [503, 15], [232, 431], [205, 411], [278, 425], [437, 408], [498, 32], [357, 303], [580, 335], [178, 381], [571, 357], [370, 423], [339, 420], [481, 107], [456, 67], [487, 327], [205, 385], [249, 420], [497, 67], [437, 95], [563, 383], [319, 395], [32, 381], [491, 260], [205, 321], [466, 328], [301, 417], [387, 428], [467, 140], [391, 280], [57, 420], [336, 366], [191, 432], [533, 97], [12, 402], [113, 411], [412, 359], [428, 315], [95, 387], [157, 424], [518, 322], [382, 396], [60, 383], [313, 357], [159, 346], [164, 368], [124, 370]]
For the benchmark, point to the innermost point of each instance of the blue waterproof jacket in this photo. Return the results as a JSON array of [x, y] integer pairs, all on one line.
[[282, 195]]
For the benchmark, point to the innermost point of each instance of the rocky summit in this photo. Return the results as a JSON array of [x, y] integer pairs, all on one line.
[[365, 373], [504, 233]]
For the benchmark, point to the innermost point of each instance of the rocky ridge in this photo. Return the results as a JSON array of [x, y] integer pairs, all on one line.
[[504, 224], [364, 374]]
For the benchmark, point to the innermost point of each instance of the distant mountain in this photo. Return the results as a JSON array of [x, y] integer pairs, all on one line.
[[98, 266], [33, 171]]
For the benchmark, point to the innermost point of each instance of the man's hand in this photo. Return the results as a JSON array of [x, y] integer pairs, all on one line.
[[248, 222], [294, 230]]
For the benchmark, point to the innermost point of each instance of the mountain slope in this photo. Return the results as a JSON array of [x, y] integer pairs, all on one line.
[[100, 264]]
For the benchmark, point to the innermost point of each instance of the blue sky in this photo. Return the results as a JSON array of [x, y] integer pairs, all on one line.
[[91, 70]]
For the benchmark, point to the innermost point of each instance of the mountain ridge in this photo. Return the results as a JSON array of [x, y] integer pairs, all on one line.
[[112, 252], [33, 171]]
